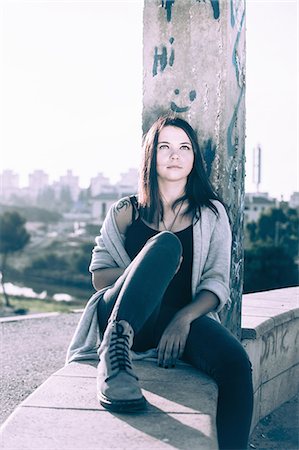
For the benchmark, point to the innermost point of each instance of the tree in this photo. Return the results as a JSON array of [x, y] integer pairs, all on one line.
[[268, 267], [270, 256], [278, 227], [13, 238]]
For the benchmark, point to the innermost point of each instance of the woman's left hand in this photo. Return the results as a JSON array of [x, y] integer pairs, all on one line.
[[173, 341]]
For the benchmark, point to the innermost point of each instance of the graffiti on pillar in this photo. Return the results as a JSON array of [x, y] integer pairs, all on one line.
[[209, 154], [237, 9], [180, 109], [230, 130], [161, 58], [238, 60], [168, 4], [216, 7]]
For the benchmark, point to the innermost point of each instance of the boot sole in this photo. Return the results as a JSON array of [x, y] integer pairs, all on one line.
[[123, 406]]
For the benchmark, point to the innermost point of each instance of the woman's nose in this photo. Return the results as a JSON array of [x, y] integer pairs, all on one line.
[[174, 154]]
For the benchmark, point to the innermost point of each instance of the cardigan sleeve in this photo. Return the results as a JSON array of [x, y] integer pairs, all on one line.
[[109, 251], [103, 256], [216, 272], [100, 257]]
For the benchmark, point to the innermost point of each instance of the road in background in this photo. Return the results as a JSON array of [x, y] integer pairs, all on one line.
[[31, 350]]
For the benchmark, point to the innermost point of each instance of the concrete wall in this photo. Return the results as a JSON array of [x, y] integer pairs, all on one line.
[[270, 330], [194, 65]]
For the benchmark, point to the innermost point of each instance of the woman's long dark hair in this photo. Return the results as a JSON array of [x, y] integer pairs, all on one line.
[[199, 191]]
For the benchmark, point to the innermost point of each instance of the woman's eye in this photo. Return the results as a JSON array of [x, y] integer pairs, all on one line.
[[163, 147], [185, 147]]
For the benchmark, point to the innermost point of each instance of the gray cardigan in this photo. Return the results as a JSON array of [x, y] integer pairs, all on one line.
[[210, 271]]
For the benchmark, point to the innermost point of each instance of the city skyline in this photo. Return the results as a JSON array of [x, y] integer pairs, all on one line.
[[65, 105], [24, 181], [100, 182]]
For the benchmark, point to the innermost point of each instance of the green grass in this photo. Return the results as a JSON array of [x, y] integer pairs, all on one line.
[[32, 305]]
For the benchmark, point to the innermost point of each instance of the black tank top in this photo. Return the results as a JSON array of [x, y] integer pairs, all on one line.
[[178, 293]]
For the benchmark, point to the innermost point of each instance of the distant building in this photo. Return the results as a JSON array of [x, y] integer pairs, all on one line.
[[294, 200], [128, 183], [71, 182], [9, 184], [38, 182], [100, 184], [257, 204], [101, 204]]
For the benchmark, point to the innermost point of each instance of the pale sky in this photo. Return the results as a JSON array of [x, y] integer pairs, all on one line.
[[71, 97]]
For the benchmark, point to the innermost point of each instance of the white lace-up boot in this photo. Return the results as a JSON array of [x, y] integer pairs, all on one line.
[[117, 385]]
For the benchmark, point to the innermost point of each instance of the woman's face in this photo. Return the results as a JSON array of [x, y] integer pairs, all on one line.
[[175, 155]]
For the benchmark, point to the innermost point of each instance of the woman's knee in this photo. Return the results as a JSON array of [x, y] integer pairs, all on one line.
[[168, 242]]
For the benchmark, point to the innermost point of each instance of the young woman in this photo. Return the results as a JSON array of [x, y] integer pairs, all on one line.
[[161, 268]]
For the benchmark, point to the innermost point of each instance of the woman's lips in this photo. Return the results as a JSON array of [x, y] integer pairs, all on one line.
[[174, 167]]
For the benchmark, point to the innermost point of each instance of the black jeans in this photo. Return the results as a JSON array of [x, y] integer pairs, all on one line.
[[137, 298]]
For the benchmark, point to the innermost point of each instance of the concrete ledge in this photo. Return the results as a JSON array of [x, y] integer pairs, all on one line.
[[270, 335], [64, 412], [181, 413]]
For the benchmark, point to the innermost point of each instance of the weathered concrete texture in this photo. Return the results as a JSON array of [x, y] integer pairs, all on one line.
[[272, 346], [72, 418], [64, 412], [262, 310], [194, 66]]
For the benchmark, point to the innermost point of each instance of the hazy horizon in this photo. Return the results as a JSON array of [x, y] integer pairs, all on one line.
[[63, 96]]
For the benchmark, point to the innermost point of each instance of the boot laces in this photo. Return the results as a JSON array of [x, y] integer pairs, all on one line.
[[120, 349]]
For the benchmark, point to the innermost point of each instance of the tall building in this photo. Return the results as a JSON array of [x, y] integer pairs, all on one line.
[[9, 184], [100, 184], [128, 182], [257, 204], [71, 182], [101, 204], [38, 182]]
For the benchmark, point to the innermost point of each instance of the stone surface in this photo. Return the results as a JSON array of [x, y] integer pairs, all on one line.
[[183, 418], [94, 430], [254, 349], [279, 350], [272, 347], [255, 326], [290, 294], [175, 418], [279, 389]]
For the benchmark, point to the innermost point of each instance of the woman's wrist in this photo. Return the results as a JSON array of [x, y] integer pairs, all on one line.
[[205, 302], [185, 314]]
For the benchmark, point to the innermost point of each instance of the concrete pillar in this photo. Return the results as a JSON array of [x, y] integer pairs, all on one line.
[[194, 65]]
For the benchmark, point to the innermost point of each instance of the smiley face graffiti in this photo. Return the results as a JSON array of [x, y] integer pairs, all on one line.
[[180, 109]]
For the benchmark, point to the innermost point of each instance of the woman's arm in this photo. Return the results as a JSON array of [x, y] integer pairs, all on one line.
[[123, 216], [173, 341], [105, 277], [212, 293], [205, 302]]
